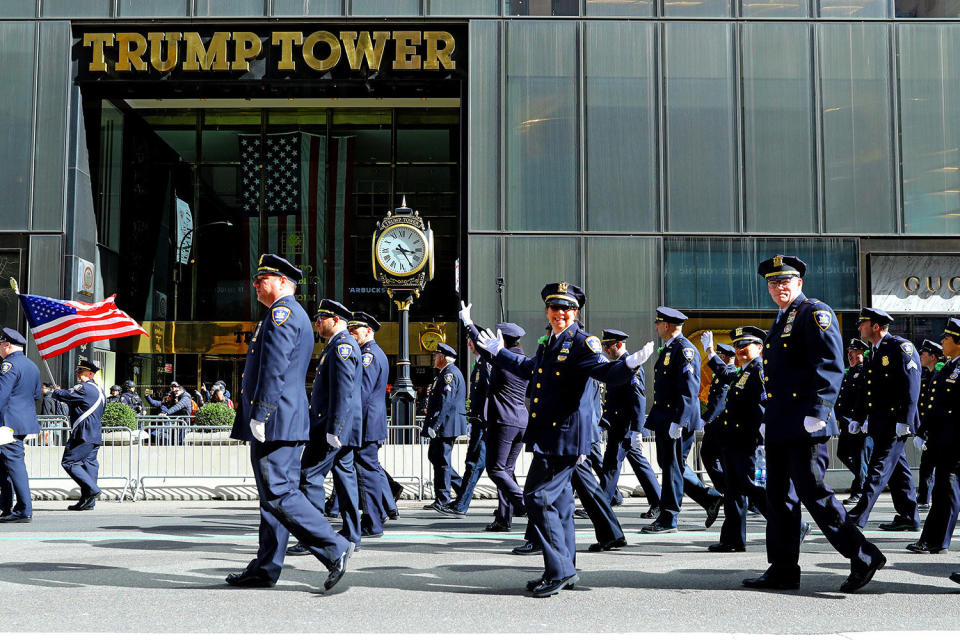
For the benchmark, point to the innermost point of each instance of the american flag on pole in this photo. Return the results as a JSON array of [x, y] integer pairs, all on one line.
[[61, 325]]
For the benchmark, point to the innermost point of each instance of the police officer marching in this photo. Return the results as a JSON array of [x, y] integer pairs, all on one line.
[[86, 403], [720, 360], [444, 422], [19, 389], [854, 446], [931, 355]]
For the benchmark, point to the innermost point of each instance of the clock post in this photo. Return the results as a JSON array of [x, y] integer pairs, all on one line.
[[403, 263]]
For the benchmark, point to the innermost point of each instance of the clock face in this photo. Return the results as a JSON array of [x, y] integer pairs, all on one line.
[[429, 341], [401, 250]]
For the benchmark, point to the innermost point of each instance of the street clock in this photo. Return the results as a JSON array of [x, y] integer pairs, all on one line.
[[403, 255]]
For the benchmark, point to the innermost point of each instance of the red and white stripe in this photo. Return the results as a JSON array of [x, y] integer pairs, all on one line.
[[98, 321]]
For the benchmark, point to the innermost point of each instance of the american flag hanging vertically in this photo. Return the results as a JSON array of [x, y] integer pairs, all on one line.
[[60, 325]]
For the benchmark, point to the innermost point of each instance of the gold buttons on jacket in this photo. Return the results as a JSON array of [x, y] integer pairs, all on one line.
[[536, 400], [533, 415], [538, 385]]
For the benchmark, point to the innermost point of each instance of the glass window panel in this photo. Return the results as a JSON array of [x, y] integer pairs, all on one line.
[[307, 7], [858, 164], [721, 273], [74, 9], [221, 134], [927, 8], [930, 128], [697, 8], [700, 134], [618, 302], [153, 8], [18, 8], [464, 8], [18, 43], [483, 126], [9, 268], [621, 126], [385, 7], [424, 145], [775, 8], [619, 7], [862, 9], [542, 7], [778, 128], [532, 262], [541, 126], [484, 269], [229, 8], [52, 106]]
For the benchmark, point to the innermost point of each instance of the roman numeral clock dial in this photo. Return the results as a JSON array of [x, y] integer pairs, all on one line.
[[403, 250]]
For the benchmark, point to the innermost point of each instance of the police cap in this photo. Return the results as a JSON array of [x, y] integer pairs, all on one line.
[[725, 349], [746, 335], [511, 331], [932, 348], [330, 307], [363, 319], [272, 264], [446, 350], [563, 294], [668, 314], [858, 345], [115, 387], [13, 337], [952, 329], [609, 336], [86, 365], [780, 266], [872, 315]]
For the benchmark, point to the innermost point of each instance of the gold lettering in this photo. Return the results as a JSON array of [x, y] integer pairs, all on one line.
[[127, 56], [355, 47], [406, 57], [437, 57], [98, 41], [157, 61], [212, 58], [930, 284], [248, 48], [309, 51], [954, 288], [910, 288], [286, 40]]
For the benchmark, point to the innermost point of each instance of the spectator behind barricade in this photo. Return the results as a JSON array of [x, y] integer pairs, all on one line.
[[114, 394], [177, 402], [131, 398], [219, 394], [50, 406]]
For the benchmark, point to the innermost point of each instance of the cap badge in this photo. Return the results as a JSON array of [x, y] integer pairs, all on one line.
[[778, 261]]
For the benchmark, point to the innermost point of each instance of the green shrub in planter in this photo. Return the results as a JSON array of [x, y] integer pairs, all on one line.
[[117, 414], [215, 414]]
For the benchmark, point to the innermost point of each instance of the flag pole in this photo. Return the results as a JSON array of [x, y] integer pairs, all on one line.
[[16, 290]]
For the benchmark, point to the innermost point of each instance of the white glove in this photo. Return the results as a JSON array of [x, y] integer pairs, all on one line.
[[581, 458], [637, 358], [636, 439], [6, 435], [812, 425], [853, 426], [334, 441], [490, 342], [763, 431], [675, 430], [902, 429], [465, 314], [259, 430], [706, 339], [919, 443], [863, 427], [431, 433]]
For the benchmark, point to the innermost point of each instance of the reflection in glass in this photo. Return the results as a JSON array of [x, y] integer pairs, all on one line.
[[775, 8], [619, 7], [927, 8], [697, 8], [16, 76], [484, 127], [857, 9], [542, 7]]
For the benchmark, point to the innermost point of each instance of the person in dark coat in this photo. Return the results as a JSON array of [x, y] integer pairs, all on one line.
[[720, 360], [19, 391], [931, 355], [50, 406], [853, 446], [86, 403], [445, 420]]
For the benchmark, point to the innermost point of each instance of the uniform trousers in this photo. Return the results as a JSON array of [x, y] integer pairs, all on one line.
[[438, 453], [473, 465], [390, 489], [854, 450], [679, 478], [710, 456], [928, 468], [284, 509], [795, 475], [80, 463], [318, 460], [617, 449], [888, 468], [595, 503], [942, 518], [548, 497], [739, 470], [372, 483], [13, 478], [504, 444]]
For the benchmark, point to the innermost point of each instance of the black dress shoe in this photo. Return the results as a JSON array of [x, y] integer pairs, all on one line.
[[860, 576], [497, 527], [368, 533], [249, 581], [549, 588], [533, 584], [657, 527], [899, 525], [580, 513], [723, 547], [297, 550], [393, 515], [652, 513], [447, 510], [852, 500], [16, 517], [338, 568], [432, 506], [774, 581], [955, 576], [608, 545], [86, 504], [712, 512], [922, 547], [527, 549]]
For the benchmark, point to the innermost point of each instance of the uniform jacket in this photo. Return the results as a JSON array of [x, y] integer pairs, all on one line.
[[446, 404], [336, 403], [624, 406], [926, 386], [739, 422], [86, 403], [373, 391], [942, 417], [272, 387], [893, 387], [723, 375], [852, 389], [803, 369], [479, 385], [181, 405], [133, 401], [20, 389], [676, 388], [562, 413], [506, 391]]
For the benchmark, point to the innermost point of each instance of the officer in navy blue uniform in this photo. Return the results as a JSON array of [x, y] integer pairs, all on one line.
[[720, 361], [562, 423], [475, 459], [86, 402], [853, 446], [273, 416], [336, 422], [19, 390], [373, 392], [675, 419], [941, 436], [623, 417], [802, 371], [444, 422], [931, 355], [889, 415]]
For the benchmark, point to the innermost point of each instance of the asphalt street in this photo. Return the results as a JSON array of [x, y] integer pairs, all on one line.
[[159, 567]]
